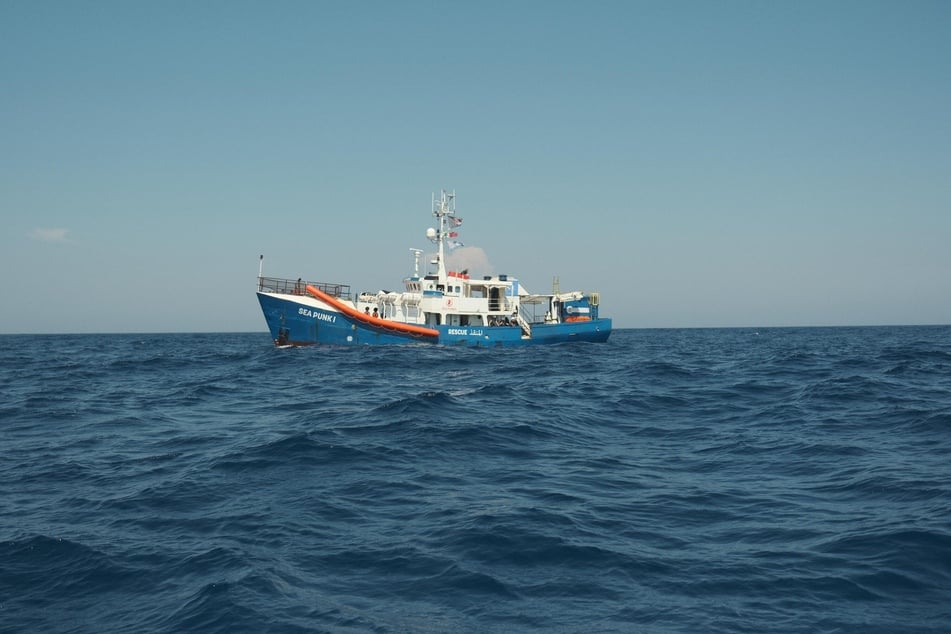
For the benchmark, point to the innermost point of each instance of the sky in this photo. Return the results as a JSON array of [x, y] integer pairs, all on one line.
[[700, 164]]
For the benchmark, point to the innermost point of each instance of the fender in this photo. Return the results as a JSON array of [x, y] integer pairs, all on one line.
[[377, 322]]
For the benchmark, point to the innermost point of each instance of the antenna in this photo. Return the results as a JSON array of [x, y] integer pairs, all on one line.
[[416, 254]]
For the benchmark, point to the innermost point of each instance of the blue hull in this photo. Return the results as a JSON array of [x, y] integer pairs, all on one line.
[[292, 323], [499, 336]]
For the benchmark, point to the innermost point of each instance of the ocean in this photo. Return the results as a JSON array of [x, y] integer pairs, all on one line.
[[721, 480]]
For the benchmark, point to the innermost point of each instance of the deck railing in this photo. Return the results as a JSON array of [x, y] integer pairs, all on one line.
[[296, 287]]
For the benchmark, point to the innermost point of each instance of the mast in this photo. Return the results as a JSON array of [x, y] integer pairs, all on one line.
[[445, 210]]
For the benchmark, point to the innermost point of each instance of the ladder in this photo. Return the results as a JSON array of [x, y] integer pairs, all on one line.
[[526, 327]]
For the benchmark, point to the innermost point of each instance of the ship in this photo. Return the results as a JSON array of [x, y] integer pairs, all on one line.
[[436, 306]]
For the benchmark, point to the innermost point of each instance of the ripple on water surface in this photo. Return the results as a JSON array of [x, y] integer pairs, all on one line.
[[670, 480]]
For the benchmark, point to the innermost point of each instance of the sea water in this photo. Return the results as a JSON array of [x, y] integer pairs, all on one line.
[[739, 480]]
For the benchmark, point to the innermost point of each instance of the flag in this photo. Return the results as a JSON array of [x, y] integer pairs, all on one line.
[[453, 234], [455, 244], [455, 221]]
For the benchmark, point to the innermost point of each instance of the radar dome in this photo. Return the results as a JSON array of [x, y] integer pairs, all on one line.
[[431, 233]]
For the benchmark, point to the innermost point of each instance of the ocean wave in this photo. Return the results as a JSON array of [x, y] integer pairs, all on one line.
[[696, 480], [297, 449]]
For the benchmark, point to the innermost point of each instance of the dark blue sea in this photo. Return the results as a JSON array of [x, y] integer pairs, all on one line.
[[737, 480]]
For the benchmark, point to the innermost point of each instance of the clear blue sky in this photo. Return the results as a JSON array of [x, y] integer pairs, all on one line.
[[698, 163]]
